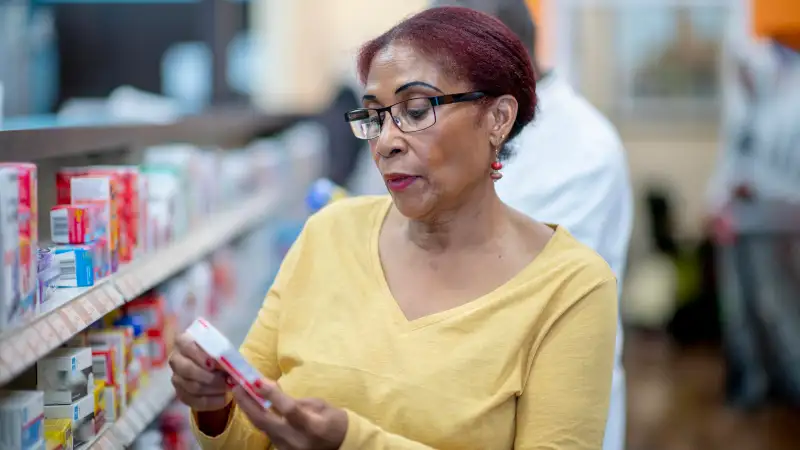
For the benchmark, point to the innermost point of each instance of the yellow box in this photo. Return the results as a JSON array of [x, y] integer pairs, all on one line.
[[58, 433], [99, 404]]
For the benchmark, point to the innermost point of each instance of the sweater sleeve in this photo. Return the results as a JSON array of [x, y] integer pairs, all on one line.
[[260, 349], [564, 405]]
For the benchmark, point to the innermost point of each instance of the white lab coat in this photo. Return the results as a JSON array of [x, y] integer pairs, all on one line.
[[570, 168]]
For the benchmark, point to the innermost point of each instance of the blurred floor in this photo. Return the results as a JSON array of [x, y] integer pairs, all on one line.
[[676, 402]]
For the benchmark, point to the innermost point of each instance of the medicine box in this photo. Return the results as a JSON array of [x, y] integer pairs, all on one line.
[[72, 224], [77, 265], [217, 346], [99, 405], [81, 413], [21, 419], [65, 375], [10, 300], [58, 433]]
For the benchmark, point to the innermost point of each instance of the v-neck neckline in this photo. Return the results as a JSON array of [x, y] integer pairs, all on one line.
[[395, 312]]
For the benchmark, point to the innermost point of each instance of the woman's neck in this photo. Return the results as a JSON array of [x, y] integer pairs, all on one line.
[[470, 224]]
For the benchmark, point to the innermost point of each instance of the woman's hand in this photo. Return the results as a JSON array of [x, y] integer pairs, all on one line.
[[294, 424], [197, 382]]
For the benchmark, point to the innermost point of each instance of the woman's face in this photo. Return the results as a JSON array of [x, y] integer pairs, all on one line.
[[438, 168]]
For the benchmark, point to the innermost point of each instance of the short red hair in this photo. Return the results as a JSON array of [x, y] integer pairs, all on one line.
[[470, 44]]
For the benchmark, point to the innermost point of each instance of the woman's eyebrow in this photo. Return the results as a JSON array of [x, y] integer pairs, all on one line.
[[369, 97], [417, 83]]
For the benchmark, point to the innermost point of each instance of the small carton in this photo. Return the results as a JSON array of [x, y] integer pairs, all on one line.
[[10, 301], [72, 224], [65, 375], [76, 263], [99, 405], [21, 419], [58, 433], [81, 414], [217, 346]]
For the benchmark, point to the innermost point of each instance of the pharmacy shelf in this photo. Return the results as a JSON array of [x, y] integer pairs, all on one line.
[[75, 309], [223, 127], [158, 394], [150, 402]]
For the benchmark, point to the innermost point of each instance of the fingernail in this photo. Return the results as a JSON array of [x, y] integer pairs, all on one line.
[[229, 380], [258, 384], [209, 364]]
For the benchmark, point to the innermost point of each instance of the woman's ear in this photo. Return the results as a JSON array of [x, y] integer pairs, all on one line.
[[502, 115]]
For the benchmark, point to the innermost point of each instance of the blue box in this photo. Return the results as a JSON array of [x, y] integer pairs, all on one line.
[[76, 263]]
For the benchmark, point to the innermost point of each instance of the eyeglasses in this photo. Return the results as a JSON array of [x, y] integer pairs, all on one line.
[[410, 115]]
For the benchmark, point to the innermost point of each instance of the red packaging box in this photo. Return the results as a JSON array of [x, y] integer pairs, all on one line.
[[103, 190], [130, 214], [73, 224], [63, 183]]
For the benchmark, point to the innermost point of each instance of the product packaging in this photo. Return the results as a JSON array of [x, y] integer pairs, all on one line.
[[65, 375], [113, 409], [72, 224], [140, 361], [48, 273], [99, 405], [28, 235], [58, 434], [10, 303], [21, 419], [218, 347], [76, 265], [129, 210], [118, 342], [94, 189], [149, 311], [81, 414]]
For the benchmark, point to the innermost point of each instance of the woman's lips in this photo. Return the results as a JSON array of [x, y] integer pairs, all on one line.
[[400, 183]]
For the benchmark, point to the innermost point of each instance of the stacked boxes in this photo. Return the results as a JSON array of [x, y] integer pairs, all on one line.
[[66, 379]]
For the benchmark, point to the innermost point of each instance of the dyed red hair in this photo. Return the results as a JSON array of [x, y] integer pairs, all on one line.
[[474, 46]]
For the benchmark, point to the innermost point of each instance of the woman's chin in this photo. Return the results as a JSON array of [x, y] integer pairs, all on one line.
[[411, 208]]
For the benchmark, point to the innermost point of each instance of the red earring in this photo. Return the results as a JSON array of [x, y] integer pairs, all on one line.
[[496, 165]]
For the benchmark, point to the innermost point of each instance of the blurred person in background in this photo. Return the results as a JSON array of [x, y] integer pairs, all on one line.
[[570, 168], [436, 317], [759, 166]]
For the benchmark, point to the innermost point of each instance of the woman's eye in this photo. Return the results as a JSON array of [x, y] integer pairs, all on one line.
[[417, 113]]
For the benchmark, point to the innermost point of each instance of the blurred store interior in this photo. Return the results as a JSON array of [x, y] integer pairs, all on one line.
[[705, 95]]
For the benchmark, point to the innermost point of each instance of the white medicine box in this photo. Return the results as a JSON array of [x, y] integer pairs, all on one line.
[[65, 375], [81, 412], [21, 419]]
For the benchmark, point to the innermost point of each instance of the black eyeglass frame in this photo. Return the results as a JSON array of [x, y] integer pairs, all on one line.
[[447, 99]]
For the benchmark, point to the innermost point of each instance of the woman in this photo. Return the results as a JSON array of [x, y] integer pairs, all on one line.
[[437, 317]]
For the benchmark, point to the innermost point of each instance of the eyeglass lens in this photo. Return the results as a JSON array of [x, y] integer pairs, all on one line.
[[411, 115]]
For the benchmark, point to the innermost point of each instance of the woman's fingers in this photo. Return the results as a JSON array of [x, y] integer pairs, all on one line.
[[188, 369], [188, 348], [202, 402], [276, 427], [284, 404], [218, 387]]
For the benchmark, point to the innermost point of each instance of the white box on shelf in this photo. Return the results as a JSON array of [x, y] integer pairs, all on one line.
[[81, 412], [21, 419], [10, 296], [65, 375]]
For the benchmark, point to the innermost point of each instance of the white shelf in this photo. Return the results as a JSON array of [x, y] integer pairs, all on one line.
[[73, 310]]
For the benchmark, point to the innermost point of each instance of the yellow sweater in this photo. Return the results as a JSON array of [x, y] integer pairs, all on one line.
[[527, 366]]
